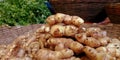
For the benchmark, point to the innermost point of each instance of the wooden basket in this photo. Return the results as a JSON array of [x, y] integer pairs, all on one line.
[[113, 11], [86, 9]]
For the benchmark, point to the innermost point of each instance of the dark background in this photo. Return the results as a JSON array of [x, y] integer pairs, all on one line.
[[89, 10]]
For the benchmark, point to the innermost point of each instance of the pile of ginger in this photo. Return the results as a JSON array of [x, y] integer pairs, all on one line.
[[63, 38]]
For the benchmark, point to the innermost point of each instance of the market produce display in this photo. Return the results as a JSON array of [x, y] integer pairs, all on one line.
[[63, 38]]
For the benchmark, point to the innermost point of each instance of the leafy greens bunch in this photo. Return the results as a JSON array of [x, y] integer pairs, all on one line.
[[23, 12]]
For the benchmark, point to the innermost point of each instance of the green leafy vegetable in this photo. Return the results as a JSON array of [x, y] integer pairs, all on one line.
[[23, 12]]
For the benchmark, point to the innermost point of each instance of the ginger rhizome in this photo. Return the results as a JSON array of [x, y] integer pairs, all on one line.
[[63, 37]]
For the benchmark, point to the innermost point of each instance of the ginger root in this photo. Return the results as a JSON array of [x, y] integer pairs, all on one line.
[[59, 17], [51, 20], [67, 19], [112, 49], [93, 37], [63, 18], [3, 50], [45, 54], [89, 41], [68, 43], [43, 29], [77, 21], [93, 54], [60, 30], [57, 30], [70, 30]]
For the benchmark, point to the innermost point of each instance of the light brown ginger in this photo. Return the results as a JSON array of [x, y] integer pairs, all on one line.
[[72, 58], [45, 54], [93, 54], [64, 18], [3, 50], [93, 37], [77, 21], [67, 42], [112, 49], [57, 30], [60, 30], [88, 41], [43, 29]]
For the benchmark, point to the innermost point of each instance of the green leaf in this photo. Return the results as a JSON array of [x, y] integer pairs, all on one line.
[[23, 12]]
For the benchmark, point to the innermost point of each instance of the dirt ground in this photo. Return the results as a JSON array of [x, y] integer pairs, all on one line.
[[7, 35]]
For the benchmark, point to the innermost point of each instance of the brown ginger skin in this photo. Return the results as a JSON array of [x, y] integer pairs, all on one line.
[[62, 37], [89, 41], [93, 54], [64, 18], [53, 55], [68, 43], [93, 37]]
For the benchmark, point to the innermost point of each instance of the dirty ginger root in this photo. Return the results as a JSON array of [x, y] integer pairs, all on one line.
[[63, 18], [45, 54], [67, 43], [63, 37], [95, 55], [59, 30], [93, 37]]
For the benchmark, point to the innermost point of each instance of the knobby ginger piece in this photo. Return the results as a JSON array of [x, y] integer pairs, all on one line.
[[88, 41], [64, 18], [43, 29], [94, 55], [67, 19], [33, 47], [76, 47], [57, 30], [90, 52], [70, 30], [104, 56], [45, 54], [68, 43], [77, 21], [59, 17], [60, 30], [51, 20], [92, 42], [3, 50], [93, 37], [112, 49], [42, 39]]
